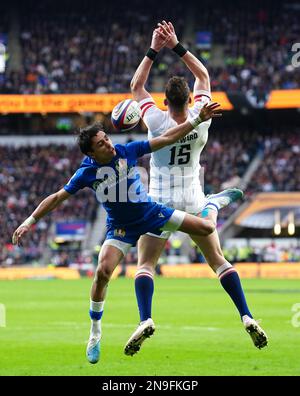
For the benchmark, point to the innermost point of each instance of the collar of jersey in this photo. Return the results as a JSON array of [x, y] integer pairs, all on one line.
[[107, 164]]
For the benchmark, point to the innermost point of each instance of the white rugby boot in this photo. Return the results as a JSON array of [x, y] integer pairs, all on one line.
[[224, 198], [257, 334], [144, 331]]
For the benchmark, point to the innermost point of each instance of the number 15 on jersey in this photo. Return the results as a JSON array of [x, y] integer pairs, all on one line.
[[180, 155]]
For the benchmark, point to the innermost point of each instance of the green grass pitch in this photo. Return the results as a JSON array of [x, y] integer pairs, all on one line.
[[198, 329]]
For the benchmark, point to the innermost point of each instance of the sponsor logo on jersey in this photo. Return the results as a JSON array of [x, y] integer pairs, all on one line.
[[96, 184], [119, 233]]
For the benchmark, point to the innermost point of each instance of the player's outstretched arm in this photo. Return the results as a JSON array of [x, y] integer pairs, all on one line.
[[141, 75], [174, 134], [199, 71], [46, 206]]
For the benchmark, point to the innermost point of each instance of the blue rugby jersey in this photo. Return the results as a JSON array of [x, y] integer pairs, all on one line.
[[131, 203]]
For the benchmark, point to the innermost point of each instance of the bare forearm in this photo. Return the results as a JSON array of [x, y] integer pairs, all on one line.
[[178, 132], [197, 68], [142, 73], [46, 206], [194, 64], [171, 136]]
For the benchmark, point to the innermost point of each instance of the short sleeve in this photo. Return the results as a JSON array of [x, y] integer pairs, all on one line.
[[134, 150], [200, 99], [76, 182], [152, 116]]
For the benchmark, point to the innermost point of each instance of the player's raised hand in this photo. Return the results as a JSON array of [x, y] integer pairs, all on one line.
[[210, 111], [159, 39], [167, 29], [20, 231]]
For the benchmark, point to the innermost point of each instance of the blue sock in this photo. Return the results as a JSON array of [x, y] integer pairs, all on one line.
[[95, 315], [96, 310], [144, 288], [230, 281]]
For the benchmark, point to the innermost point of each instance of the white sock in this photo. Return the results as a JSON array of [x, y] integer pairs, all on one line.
[[213, 206], [246, 318], [96, 324], [223, 267], [95, 331], [96, 306]]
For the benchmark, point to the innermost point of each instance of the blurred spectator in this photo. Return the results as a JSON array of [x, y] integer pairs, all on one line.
[[95, 49], [27, 176], [272, 253], [91, 49], [280, 168]]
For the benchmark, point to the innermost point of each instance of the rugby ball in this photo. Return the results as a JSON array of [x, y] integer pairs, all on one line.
[[126, 115]]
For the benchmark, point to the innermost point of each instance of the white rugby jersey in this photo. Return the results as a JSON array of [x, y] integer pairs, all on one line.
[[175, 170]]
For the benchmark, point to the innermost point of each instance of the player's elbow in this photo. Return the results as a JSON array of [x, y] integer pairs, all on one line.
[[135, 85], [58, 197], [203, 78], [204, 73], [53, 201], [132, 85]]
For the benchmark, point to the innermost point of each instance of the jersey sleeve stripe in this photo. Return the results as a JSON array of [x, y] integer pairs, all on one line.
[[197, 98], [146, 104], [146, 108]]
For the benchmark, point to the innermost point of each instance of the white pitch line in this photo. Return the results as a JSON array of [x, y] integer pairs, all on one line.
[[132, 326]]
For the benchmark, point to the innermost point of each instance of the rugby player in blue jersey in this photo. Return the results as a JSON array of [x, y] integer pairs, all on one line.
[[109, 170]]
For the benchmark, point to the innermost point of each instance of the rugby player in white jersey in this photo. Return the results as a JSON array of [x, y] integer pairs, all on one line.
[[182, 190]]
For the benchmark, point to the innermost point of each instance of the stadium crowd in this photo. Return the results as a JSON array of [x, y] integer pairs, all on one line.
[[280, 169], [28, 174], [251, 253], [257, 39], [96, 50], [270, 252]]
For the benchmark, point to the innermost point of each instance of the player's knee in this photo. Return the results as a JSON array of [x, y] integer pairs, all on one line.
[[209, 227], [147, 266], [103, 272]]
